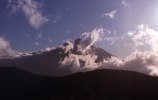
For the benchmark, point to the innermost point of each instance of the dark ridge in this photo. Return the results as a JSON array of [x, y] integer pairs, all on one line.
[[103, 84]]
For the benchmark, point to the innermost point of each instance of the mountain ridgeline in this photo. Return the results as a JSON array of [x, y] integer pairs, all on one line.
[[58, 61]]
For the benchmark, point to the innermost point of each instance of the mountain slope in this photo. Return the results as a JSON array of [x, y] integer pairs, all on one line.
[[94, 85], [59, 61]]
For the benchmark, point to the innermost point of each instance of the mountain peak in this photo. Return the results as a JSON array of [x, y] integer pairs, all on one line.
[[70, 57]]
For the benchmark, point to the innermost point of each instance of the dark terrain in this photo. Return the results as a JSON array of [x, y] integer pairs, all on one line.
[[103, 84]]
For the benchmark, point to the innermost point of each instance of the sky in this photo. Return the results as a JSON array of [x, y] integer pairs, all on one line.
[[30, 25]]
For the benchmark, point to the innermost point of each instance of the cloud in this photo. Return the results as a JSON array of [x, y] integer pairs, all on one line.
[[110, 14], [143, 62], [145, 52], [143, 59], [31, 9], [39, 35], [124, 3], [50, 39], [5, 49], [89, 38], [37, 43], [68, 31], [144, 38], [85, 60], [79, 62]]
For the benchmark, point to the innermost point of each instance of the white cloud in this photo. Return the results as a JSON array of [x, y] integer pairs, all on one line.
[[89, 38], [5, 49], [110, 14], [143, 61], [49, 49], [31, 9], [75, 62], [145, 52], [145, 38], [84, 61], [69, 47], [124, 3]]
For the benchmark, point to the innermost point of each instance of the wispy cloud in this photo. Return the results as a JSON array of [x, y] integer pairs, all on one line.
[[124, 3], [50, 39], [109, 14], [37, 43], [39, 35], [68, 31], [31, 10]]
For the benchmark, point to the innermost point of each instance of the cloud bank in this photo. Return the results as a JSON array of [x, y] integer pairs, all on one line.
[[31, 10], [143, 58]]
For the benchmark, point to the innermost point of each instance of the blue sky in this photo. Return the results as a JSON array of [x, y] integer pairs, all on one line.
[[31, 25]]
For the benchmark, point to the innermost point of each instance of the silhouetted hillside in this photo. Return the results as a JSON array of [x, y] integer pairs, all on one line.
[[94, 85]]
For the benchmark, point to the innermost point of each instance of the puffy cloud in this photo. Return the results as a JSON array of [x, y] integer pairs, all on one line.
[[145, 38], [143, 58], [80, 62], [31, 10], [5, 49], [145, 52], [110, 14], [143, 62], [83, 61]]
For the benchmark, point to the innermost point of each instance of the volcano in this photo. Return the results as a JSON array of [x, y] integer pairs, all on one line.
[[70, 57], [68, 72]]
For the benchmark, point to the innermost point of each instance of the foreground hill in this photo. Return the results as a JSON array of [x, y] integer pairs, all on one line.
[[100, 84]]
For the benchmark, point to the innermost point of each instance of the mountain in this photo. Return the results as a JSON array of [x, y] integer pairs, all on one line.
[[103, 84], [66, 59]]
